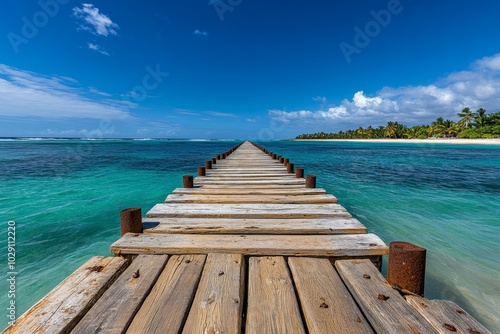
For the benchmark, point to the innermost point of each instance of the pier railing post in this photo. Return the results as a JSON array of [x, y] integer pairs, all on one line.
[[286, 161], [202, 171], [311, 181], [299, 173], [208, 164], [289, 168], [187, 181], [406, 267], [131, 220]]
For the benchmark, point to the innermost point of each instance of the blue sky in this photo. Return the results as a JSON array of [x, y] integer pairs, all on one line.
[[246, 69]]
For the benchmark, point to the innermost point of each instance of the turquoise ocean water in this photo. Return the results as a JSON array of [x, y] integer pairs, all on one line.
[[65, 197]]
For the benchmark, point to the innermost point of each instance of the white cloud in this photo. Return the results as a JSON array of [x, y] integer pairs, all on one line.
[[221, 114], [97, 48], [84, 133], [200, 33], [321, 99], [478, 87], [251, 120], [94, 21], [28, 94]]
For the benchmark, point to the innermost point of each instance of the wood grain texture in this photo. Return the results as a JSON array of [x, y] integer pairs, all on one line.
[[326, 303], [247, 210], [255, 244], [440, 313], [61, 309], [218, 304], [272, 304], [202, 180], [383, 306], [115, 310], [165, 308], [265, 199], [253, 226], [253, 191]]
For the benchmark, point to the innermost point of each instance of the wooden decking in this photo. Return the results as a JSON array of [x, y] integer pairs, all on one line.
[[249, 249]]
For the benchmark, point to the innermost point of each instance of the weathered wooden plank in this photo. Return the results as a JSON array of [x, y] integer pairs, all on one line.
[[218, 304], [280, 199], [199, 181], [383, 306], [235, 176], [247, 210], [115, 310], [272, 305], [326, 303], [245, 191], [446, 316], [253, 226], [61, 309], [251, 186], [165, 309], [253, 244]]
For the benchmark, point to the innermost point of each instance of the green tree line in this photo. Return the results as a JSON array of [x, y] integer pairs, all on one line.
[[472, 125]]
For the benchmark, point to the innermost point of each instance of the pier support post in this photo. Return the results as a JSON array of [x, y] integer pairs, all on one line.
[[202, 171], [274, 156], [286, 161], [289, 168], [299, 173], [187, 181], [208, 164], [406, 267], [311, 181], [214, 161], [131, 220], [280, 160]]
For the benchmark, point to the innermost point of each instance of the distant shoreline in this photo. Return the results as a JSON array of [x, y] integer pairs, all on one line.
[[495, 141]]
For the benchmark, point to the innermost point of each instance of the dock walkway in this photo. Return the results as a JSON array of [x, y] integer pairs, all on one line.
[[248, 249]]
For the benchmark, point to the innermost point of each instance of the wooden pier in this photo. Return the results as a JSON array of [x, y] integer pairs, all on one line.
[[249, 248]]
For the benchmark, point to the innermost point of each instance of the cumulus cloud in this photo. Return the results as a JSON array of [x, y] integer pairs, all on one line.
[[97, 48], [200, 33], [477, 87], [28, 94], [93, 21]]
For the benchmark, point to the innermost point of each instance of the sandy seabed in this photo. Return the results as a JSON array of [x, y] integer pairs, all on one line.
[[418, 141]]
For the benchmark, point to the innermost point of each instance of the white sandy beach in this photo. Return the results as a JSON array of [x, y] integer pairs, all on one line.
[[418, 141]]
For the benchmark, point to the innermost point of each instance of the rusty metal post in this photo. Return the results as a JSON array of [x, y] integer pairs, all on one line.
[[219, 156], [208, 164], [281, 160], [131, 220], [406, 267], [214, 161], [299, 172], [202, 171], [311, 181], [286, 161], [274, 156], [187, 181], [289, 168]]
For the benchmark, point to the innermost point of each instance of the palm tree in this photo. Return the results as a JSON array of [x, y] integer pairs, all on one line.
[[466, 117], [480, 118]]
